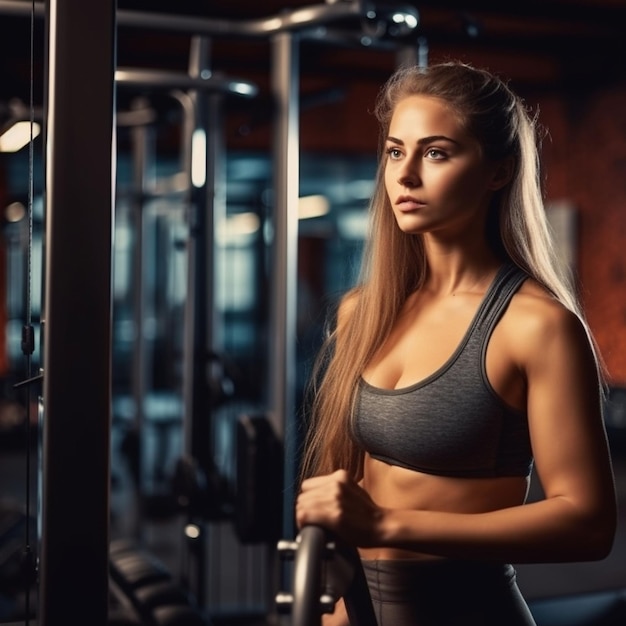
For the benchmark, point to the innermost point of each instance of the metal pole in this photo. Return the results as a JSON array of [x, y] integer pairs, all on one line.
[[142, 150], [164, 79], [289, 19], [77, 343], [203, 138], [200, 313], [285, 87]]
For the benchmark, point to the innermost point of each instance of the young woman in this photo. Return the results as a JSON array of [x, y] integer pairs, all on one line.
[[459, 360]]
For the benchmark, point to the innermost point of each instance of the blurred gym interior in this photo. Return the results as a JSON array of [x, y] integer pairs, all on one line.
[[146, 472]]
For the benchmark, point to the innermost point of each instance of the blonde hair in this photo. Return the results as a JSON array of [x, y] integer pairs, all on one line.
[[394, 262]]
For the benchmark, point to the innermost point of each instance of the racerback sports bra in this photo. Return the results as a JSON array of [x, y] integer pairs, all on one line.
[[452, 423]]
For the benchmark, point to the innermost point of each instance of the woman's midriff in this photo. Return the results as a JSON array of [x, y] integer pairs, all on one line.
[[399, 488]]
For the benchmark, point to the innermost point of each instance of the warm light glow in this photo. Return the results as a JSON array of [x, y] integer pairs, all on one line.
[[198, 158], [273, 23], [313, 206], [192, 531], [15, 212], [243, 224], [237, 228], [302, 16], [18, 136]]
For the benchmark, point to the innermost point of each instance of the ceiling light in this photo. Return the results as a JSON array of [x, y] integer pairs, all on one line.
[[15, 126], [312, 206], [18, 135]]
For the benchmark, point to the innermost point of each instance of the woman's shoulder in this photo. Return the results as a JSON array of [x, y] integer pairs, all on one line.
[[535, 302], [536, 318]]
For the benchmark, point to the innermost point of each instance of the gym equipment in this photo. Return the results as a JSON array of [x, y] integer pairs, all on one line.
[[258, 490], [146, 582], [17, 572], [324, 570]]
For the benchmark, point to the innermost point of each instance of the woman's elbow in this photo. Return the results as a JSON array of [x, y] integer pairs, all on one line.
[[603, 544], [598, 536], [588, 532]]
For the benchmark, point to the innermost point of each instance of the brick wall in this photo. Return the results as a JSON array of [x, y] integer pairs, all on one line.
[[585, 163]]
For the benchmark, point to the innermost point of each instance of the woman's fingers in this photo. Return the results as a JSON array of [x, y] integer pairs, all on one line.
[[339, 504]]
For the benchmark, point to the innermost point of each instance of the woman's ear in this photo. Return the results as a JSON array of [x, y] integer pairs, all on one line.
[[502, 173]]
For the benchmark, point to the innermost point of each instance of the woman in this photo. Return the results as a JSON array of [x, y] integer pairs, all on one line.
[[460, 359]]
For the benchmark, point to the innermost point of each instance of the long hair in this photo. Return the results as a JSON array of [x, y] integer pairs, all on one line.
[[394, 263]]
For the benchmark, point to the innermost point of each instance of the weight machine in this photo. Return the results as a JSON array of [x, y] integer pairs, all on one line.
[[324, 570]]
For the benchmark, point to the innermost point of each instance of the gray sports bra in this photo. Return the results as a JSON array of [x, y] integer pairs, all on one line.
[[452, 423]]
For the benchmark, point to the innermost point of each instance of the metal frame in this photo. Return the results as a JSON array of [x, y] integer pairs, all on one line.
[[77, 337], [285, 89], [143, 141], [288, 20]]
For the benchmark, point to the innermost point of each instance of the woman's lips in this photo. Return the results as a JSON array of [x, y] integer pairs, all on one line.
[[409, 204]]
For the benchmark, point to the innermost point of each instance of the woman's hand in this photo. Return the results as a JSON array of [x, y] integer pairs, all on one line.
[[339, 504]]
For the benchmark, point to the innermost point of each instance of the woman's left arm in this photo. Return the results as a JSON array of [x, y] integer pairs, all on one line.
[[577, 518]]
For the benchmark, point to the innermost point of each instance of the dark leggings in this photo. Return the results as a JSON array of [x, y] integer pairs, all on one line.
[[445, 593]]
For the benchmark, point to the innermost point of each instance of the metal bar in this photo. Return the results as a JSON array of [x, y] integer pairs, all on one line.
[[307, 577], [289, 20], [284, 284], [142, 138], [77, 338], [204, 159], [22, 9], [189, 335], [176, 80], [200, 315]]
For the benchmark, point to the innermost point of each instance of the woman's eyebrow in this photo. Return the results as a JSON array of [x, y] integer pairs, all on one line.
[[424, 140]]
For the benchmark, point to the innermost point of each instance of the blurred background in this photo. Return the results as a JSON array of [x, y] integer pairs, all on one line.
[[201, 463]]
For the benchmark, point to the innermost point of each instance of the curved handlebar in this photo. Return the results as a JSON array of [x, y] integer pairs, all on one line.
[[318, 559], [307, 576]]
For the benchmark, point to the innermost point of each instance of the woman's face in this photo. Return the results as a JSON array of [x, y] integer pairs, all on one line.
[[436, 177]]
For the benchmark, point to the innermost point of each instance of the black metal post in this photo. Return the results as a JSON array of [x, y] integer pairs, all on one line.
[[77, 344]]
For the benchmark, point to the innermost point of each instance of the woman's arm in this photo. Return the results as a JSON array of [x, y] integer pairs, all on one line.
[[576, 520]]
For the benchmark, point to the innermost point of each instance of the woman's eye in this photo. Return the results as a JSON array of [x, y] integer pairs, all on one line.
[[435, 154], [394, 153]]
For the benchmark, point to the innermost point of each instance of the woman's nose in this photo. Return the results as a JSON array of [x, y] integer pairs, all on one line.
[[409, 176]]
